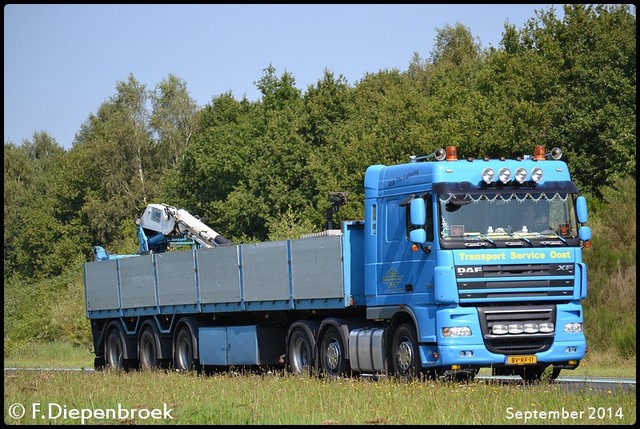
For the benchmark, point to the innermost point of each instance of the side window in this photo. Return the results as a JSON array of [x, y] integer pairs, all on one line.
[[374, 220], [429, 225]]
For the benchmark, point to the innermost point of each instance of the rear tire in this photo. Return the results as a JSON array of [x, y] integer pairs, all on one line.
[[148, 350], [333, 358], [183, 359], [114, 351], [299, 352]]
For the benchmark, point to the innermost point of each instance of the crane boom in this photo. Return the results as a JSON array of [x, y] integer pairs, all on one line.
[[161, 224]]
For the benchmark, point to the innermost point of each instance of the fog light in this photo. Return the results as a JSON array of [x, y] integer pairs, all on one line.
[[516, 329], [545, 327], [500, 329]]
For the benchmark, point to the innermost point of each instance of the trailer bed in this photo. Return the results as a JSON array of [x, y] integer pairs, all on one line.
[[319, 272]]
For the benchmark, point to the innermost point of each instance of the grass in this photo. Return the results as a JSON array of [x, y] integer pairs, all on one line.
[[284, 399], [151, 397]]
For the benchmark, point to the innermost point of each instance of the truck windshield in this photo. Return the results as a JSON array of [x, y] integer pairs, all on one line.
[[503, 216]]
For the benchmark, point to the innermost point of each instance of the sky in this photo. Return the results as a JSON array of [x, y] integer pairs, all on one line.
[[61, 62]]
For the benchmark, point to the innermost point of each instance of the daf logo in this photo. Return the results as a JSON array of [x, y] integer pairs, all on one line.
[[469, 270], [564, 267]]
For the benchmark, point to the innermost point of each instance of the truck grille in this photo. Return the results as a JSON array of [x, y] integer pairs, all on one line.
[[516, 343], [526, 281]]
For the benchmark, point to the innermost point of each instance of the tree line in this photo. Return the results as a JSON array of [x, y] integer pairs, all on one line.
[[262, 170]]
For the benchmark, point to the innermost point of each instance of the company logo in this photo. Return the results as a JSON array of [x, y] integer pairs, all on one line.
[[469, 271], [392, 279]]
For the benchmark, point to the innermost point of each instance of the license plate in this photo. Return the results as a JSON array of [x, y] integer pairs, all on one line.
[[521, 360]]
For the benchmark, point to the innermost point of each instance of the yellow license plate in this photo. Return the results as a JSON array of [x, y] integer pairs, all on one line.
[[521, 360]]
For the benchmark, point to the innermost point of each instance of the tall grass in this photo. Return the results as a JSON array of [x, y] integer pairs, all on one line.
[[282, 399], [610, 307]]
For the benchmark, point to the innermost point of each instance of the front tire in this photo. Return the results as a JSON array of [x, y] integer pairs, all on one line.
[[404, 352]]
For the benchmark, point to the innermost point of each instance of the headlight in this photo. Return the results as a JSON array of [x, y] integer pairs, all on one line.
[[488, 175], [521, 174], [536, 174], [573, 327], [456, 331], [504, 174]]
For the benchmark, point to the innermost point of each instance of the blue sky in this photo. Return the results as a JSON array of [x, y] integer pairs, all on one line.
[[61, 62]]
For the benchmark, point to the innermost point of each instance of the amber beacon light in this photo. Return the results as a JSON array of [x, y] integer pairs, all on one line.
[[452, 153]]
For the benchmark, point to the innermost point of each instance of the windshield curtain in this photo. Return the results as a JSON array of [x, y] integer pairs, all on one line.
[[468, 215]]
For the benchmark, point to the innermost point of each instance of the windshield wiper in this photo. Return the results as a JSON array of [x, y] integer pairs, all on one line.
[[553, 243], [519, 237], [487, 239]]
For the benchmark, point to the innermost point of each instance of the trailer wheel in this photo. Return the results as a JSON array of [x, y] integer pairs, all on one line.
[[299, 352], [114, 351], [333, 359], [404, 352], [147, 350], [183, 351]]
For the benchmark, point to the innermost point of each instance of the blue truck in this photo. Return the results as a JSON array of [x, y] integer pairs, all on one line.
[[458, 265]]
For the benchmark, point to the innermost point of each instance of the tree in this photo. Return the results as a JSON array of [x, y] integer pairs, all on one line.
[[174, 119]]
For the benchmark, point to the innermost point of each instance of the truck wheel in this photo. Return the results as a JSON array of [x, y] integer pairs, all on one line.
[[333, 360], [404, 352], [183, 351], [299, 352], [114, 351], [147, 350]]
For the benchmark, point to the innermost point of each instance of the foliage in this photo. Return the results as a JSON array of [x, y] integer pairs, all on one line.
[[610, 307]]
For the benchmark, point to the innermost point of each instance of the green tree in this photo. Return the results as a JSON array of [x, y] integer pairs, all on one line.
[[174, 119]]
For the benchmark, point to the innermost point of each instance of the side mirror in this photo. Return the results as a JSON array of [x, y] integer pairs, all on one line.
[[418, 212], [418, 236], [584, 232], [581, 209]]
